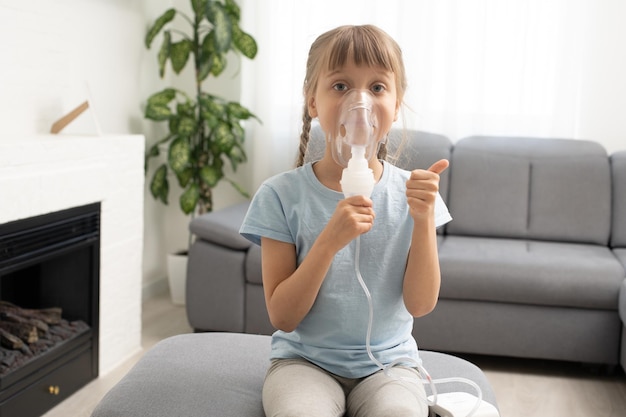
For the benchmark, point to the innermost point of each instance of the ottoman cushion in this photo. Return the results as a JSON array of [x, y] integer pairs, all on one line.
[[221, 375]]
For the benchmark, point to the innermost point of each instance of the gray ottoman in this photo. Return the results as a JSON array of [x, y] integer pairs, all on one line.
[[221, 375]]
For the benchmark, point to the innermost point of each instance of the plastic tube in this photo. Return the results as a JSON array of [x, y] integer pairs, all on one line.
[[388, 368], [357, 178]]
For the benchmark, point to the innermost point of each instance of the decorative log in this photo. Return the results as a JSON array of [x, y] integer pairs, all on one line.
[[25, 331], [50, 315], [9, 341], [42, 328], [9, 316]]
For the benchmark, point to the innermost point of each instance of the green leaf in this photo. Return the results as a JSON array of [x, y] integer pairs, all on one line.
[[236, 156], [233, 10], [184, 177], [157, 107], [164, 52], [163, 20], [186, 109], [212, 107], [162, 97], [238, 132], [198, 6], [244, 43], [152, 152], [155, 150], [238, 111], [189, 198], [179, 154], [173, 125], [186, 126], [222, 26], [159, 187], [219, 64], [205, 69], [179, 54], [207, 55], [208, 45], [210, 175], [224, 138], [158, 112]]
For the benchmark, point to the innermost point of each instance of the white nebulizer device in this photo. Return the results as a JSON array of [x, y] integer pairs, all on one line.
[[354, 144]]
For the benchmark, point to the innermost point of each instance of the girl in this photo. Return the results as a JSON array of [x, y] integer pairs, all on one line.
[[306, 228]]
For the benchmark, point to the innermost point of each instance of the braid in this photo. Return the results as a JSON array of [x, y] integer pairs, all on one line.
[[382, 150], [304, 136]]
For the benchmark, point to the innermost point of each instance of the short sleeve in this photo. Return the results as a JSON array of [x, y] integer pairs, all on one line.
[[266, 218]]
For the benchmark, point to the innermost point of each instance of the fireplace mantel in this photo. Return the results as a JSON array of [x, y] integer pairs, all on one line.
[[45, 173]]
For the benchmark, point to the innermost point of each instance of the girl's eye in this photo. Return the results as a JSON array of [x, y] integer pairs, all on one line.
[[340, 87], [378, 88]]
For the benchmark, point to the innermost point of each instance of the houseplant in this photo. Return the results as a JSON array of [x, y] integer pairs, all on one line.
[[204, 131]]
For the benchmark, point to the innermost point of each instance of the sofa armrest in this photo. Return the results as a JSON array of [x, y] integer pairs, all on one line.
[[618, 168], [222, 227]]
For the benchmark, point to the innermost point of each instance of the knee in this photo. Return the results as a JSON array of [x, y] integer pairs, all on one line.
[[404, 411]]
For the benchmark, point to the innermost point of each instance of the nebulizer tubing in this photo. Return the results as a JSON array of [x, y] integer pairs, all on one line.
[[388, 368], [357, 130]]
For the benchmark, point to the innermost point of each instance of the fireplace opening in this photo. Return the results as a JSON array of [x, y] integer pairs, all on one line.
[[49, 276]]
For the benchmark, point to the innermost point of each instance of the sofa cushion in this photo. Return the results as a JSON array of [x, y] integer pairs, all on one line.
[[529, 272], [618, 167], [222, 226], [620, 254], [546, 189], [253, 265], [622, 302]]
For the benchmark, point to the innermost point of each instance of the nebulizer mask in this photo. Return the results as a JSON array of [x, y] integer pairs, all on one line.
[[355, 142]]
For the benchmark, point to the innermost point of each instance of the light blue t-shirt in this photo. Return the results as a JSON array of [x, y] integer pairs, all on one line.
[[294, 207]]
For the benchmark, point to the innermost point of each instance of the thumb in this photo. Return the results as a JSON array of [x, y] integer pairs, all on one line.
[[439, 166]]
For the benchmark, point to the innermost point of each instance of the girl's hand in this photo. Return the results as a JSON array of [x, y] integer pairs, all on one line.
[[422, 188], [353, 217]]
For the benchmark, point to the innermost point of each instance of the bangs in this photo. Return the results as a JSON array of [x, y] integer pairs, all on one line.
[[363, 46]]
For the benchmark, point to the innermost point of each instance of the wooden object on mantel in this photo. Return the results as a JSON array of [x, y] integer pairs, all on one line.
[[69, 118]]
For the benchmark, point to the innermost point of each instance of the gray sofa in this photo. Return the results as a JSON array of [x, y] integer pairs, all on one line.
[[529, 264]]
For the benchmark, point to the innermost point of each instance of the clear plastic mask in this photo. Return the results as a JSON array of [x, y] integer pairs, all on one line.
[[357, 126]]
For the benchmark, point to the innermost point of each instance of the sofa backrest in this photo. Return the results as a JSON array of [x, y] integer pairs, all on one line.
[[618, 231], [407, 149], [533, 188]]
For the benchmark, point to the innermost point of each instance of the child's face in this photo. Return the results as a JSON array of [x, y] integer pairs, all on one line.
[[333, 85]]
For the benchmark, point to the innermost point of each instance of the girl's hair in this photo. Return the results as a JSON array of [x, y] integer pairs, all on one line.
[[364, 45]]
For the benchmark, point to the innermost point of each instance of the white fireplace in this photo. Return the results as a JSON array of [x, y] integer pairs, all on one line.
[[40, 174]]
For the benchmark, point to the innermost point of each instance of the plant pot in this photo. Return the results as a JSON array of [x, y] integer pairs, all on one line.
[[177, 276]]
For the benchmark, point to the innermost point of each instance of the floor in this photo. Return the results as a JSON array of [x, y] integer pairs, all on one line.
[[524, 388]]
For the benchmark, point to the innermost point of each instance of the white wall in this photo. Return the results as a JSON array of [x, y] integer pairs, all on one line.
[[603, 100]]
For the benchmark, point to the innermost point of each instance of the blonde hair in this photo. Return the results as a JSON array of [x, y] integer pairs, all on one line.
[[364, 45]]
